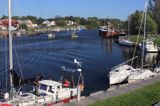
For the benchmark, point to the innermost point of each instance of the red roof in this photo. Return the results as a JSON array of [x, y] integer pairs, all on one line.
[[5, 23]]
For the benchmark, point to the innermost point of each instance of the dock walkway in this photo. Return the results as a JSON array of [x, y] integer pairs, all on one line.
[[103, 95]]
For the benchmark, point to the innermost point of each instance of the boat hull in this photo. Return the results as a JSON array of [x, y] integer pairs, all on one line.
[[149, 46], [106, 34], [126, 43], [149, 50], [51, 36], [120, 74]]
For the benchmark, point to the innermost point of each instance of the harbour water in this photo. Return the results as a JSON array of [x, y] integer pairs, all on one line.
[[38, 55]]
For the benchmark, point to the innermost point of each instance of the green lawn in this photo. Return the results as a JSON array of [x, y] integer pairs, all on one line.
[[142, 97], [157, 40], [133, 38]]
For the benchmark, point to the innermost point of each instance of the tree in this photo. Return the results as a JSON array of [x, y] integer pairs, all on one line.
[[23, 26], [40, 21], [117, 23], [4, 17], [136, 21], [16, 17], [61, 23], [154, 11], [32, 18]]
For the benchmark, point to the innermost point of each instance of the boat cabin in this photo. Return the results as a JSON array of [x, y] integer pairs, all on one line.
[[49, 86]]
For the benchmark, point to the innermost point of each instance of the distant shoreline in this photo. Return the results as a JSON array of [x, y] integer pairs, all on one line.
[[38, 31]]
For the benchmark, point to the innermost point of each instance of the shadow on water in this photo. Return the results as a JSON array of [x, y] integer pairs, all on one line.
[[37, 55]]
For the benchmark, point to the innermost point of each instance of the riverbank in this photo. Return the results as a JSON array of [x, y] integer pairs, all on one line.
[[142, 93], [43, 30], [145, 96]]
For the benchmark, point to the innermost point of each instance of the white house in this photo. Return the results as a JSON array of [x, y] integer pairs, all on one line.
[[53, 23], [2, 27], [69, 23], [48, 23], [28, 23]]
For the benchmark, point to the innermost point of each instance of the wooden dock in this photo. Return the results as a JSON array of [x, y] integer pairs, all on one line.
[[115, 91]]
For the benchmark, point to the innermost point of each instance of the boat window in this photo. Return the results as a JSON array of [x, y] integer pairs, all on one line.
[[128, 68], [43, 87], [116, 70], [24, 95], [58, 87], [51, 89]]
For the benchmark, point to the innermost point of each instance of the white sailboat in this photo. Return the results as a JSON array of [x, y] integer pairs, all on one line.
[[49, 91], [121, 73], [147, 44], [125, 41], [141, 73]]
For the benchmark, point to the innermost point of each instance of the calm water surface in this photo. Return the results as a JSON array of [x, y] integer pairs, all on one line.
[[36, 55]]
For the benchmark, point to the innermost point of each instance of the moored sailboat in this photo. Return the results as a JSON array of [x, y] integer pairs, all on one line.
[[120, 73], [142, 73], [125, 41], [46, 92]]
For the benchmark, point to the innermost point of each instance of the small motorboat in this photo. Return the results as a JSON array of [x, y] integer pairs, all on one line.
[[74, 35], [51, 35]]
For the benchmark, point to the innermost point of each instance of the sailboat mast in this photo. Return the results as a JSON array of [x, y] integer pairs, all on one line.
[[144, 36], [10, 42], [129, 26]]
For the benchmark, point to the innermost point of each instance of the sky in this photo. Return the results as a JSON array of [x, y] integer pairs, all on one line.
[[83, 8]]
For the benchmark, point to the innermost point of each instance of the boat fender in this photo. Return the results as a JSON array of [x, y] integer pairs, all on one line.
[[81, 87], [6, 96]]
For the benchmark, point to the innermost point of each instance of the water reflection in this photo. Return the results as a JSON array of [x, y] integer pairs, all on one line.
[[150, 57], [107, 45]]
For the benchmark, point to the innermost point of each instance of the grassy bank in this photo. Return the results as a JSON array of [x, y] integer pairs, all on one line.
[[33, 31], [142, 97], [134, 39], [157, 40]]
